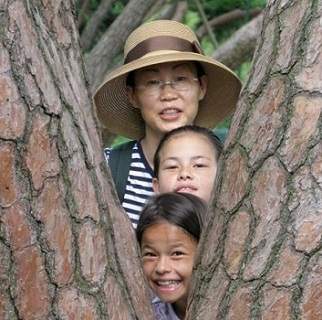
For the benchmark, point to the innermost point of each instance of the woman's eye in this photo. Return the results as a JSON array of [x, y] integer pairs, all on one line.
[[152, 83], [181, 79]]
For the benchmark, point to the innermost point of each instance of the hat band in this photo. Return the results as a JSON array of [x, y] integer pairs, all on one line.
[[161, 43]]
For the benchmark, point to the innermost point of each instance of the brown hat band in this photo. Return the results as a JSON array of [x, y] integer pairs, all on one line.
[[161, 43]]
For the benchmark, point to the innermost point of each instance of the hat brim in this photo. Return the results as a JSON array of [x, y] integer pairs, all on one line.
[[118, 115]]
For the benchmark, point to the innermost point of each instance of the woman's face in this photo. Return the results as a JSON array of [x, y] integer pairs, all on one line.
[[167, 108]]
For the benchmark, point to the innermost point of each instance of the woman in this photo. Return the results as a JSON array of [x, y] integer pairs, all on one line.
[[165, 82]]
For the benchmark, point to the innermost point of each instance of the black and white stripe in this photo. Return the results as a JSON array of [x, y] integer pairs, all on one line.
[[139, 184]]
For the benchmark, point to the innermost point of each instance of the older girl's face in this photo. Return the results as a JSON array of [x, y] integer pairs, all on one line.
[[187, 164], [167, 108]]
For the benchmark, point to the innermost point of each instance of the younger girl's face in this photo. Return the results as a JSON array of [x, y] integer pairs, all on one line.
[[187, 164], [168, 254]]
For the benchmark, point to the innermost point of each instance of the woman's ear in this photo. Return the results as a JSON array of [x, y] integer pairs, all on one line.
[[203, 86], [155, 185], [132, 97]]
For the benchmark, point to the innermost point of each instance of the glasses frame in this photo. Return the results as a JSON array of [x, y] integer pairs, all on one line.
[[160, 86]]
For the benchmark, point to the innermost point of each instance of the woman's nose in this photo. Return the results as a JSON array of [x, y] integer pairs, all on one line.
[[167, 91]]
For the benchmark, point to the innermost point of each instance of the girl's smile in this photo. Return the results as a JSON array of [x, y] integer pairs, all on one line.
[[168, 255]]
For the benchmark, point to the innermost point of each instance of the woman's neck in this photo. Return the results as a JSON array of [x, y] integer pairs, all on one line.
[[149, 145]]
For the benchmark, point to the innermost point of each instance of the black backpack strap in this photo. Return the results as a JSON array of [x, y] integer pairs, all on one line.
[[119, 162]]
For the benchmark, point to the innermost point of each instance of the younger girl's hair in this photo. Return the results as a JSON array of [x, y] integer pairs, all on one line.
[[213, 139], [183, 210]]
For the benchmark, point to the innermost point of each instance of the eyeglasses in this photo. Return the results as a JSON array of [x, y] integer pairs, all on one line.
[[154, 87]]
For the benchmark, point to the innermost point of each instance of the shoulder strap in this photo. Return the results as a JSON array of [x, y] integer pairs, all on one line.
[[119, 162]]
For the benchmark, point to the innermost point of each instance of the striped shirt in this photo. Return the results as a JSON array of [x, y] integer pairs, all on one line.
[[139, 183]]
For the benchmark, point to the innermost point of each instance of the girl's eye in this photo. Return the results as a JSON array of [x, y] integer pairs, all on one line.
[[171, 167], [177, 253], [148, 254], [200, 165]]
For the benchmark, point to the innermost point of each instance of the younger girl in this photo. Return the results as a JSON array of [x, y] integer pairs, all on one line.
[[168, 233]]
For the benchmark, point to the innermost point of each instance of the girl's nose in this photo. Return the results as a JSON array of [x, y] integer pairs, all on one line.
[[163, 265], [185, 173]]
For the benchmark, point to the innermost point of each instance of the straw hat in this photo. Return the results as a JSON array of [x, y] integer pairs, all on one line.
[[158, 42]]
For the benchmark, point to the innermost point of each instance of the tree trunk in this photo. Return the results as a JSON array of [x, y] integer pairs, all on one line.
[[100, 58], [261, 255], [67, 250]]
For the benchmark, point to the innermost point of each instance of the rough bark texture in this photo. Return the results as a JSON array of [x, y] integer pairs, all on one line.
[[100, 58], [261, 253], [67, 251], [241, 45]]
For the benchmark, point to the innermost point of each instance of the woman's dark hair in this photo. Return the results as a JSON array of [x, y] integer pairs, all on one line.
[[213, 139], [180, 209]]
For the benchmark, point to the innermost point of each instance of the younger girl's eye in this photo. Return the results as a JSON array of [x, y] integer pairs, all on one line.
[[177, 253], [148, 254]]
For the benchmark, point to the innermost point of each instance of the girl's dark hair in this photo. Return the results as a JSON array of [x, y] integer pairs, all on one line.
[[213, 139], [180, 209]]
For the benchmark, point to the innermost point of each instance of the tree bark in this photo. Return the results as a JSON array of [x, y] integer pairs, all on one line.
[[91, 27], [241, 45], [67, 249], [99, 59], [261, 255]]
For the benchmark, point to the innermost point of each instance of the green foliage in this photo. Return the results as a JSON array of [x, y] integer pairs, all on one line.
[[192, 19], [117, 8], [118, 140], [207, 46], [244, 70]]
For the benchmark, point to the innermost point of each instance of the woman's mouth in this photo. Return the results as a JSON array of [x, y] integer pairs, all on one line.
[[170, 114]]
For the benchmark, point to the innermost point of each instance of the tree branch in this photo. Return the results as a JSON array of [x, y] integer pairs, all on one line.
[[181, 9], [93, 24], [227, 18], [241, 45], [100, 58]]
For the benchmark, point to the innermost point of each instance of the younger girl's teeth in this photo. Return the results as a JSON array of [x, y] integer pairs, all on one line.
[[167, 282]]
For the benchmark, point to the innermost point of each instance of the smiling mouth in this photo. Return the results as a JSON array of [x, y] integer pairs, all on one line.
[[187, 189], [167, 285], [170, 113]]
